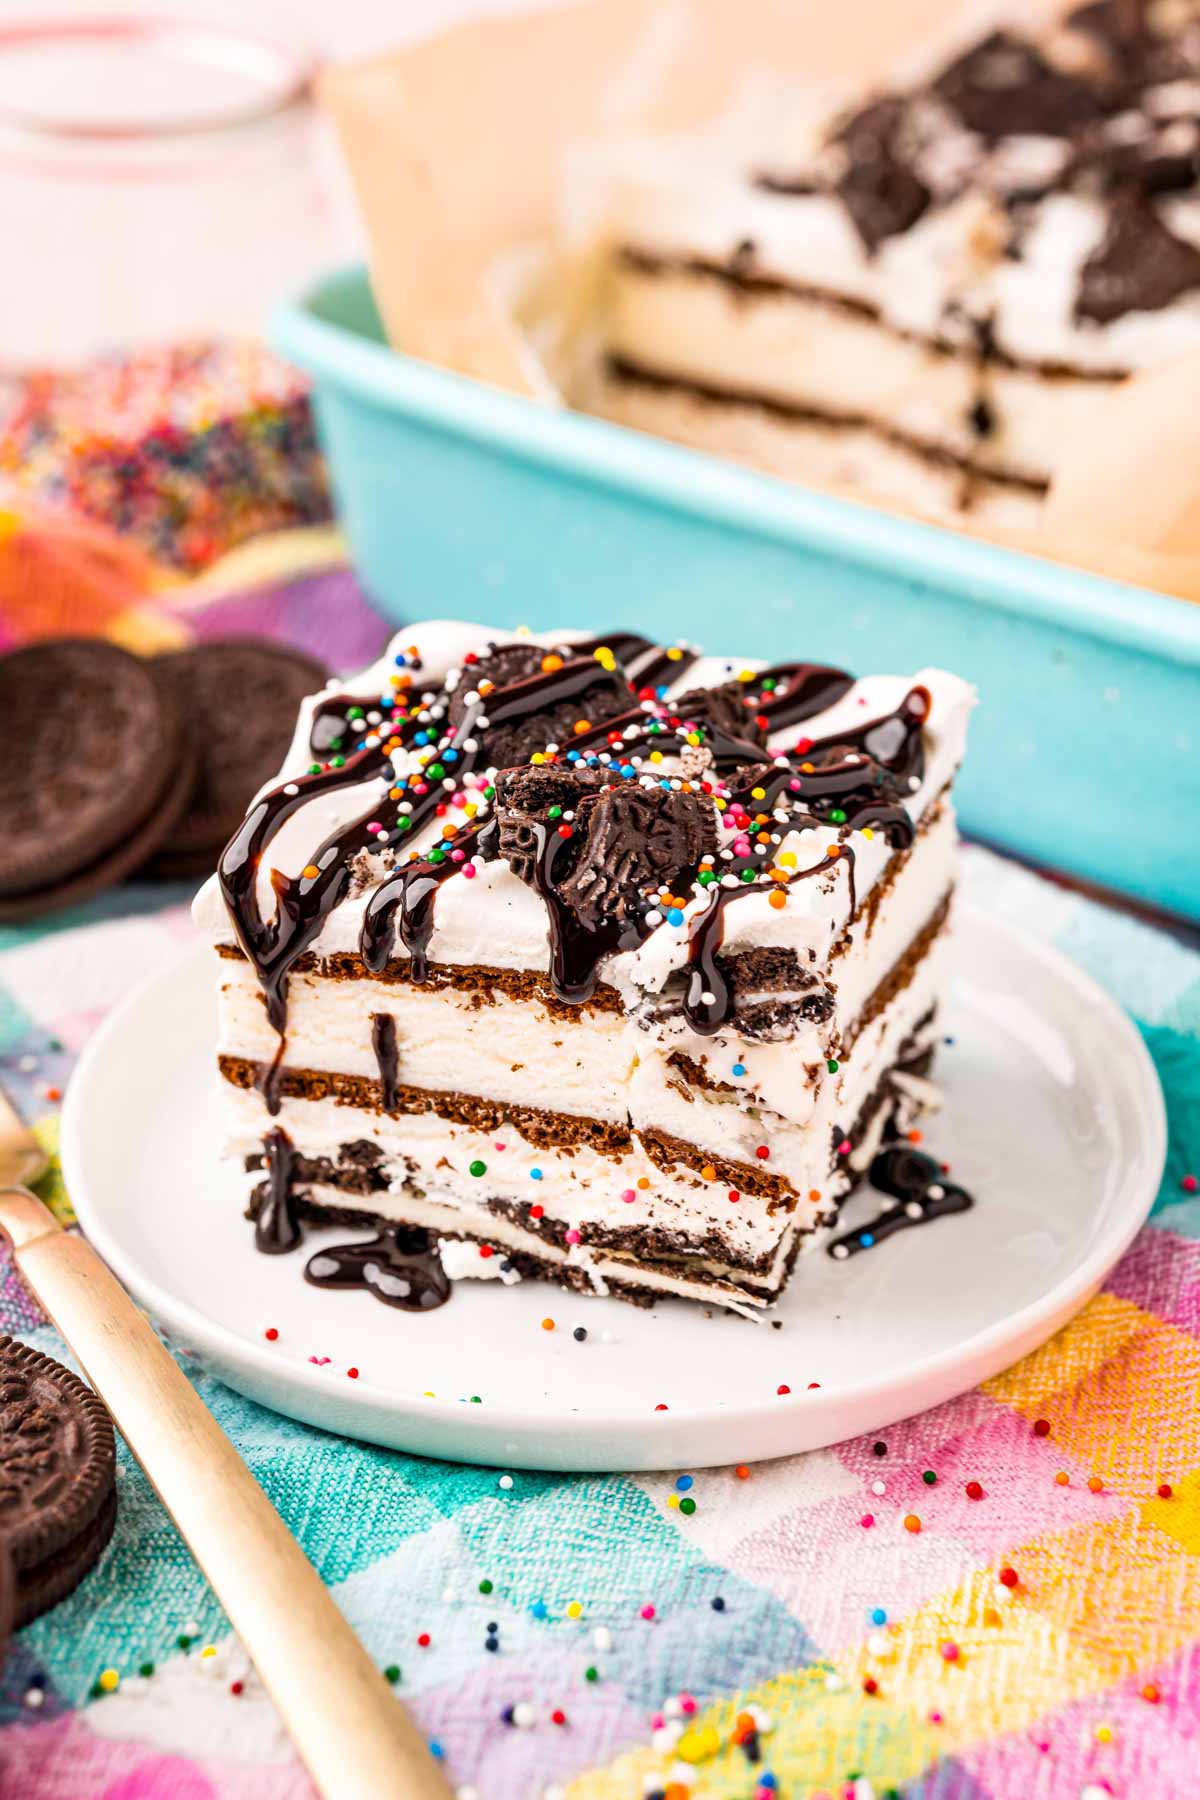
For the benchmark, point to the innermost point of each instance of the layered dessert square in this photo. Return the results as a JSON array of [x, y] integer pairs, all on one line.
[[584, 958], [924, 296]]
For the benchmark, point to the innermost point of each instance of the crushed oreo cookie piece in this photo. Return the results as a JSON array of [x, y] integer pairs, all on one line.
[[523, 800], [1119, 27], [535, 787], [637, 838], [365, 869], [1004, 87], [723, 708], [1133, 152], [879, 189], [503, 664], [771, 992], [523, 722], [981, 417], [1139, 265], [773, 778], [742, 257]]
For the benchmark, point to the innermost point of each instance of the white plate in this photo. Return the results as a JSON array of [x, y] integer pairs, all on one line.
[[1053, 1119]]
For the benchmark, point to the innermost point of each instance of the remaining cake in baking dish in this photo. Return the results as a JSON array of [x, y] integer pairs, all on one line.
[[582, 958], [927, 298]]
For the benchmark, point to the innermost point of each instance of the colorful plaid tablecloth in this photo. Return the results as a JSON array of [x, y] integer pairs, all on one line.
[[1039, 1639]]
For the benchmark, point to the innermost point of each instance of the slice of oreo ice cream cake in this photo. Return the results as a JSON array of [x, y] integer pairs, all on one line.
[[583, 958]]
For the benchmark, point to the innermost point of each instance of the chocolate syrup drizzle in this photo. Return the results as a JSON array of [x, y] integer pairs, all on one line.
[[884, 756], [919, 1194], [405, 901], [400, 1267], [387, 1056], [629, 647], [303, 903], [856, 786], [626, 646], [667, 666], [894, 739], [863, 771], [276, 1227], [807, 688], [708, 1001], [263, 940], [331, 726], [575, 951]]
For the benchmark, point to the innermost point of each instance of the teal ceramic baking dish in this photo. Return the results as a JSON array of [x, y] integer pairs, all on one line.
[[460, 499]]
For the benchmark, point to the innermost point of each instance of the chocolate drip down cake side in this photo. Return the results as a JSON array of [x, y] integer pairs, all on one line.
[[924, 295], [581, 958]]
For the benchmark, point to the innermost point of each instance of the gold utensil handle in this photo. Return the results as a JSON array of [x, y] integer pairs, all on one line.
[[351, 1731]]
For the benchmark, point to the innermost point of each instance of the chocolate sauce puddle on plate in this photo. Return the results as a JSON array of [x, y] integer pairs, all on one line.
[[918, 1193], [400, 1267]]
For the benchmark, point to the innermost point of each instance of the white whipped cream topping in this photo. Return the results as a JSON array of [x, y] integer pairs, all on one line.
[[697, 198], [495, 919], [580, 1186]]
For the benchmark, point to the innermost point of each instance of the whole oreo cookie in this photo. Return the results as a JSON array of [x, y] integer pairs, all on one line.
[[58, 1496], [238, 700], [129, 858], [95, 771]]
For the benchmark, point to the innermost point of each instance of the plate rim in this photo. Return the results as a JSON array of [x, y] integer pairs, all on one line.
[[1059, 1304]]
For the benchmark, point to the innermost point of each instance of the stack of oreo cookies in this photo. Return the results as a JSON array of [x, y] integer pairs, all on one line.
[[115, 765], [58, 1496]]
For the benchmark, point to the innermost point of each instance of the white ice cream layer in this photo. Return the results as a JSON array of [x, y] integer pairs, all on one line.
[[601, 1065], [580, 1185], [929, 281], [807, 354], [842, 458]]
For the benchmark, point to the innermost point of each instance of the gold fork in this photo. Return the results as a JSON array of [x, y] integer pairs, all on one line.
[[348, 1727]]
